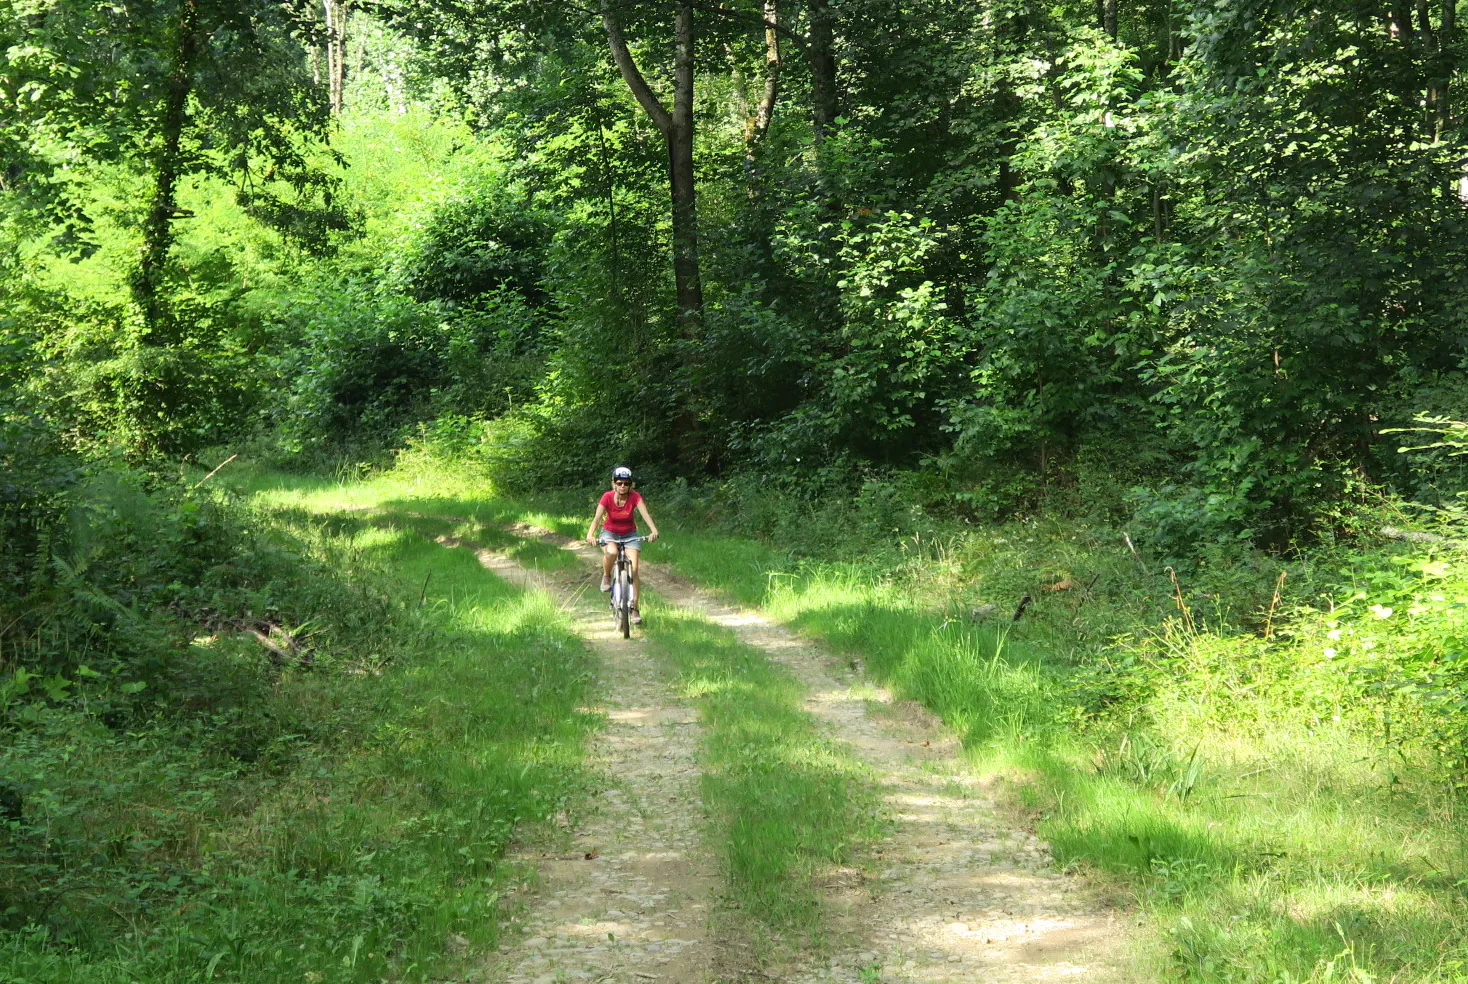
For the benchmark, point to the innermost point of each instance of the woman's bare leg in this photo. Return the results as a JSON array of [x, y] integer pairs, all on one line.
[[608, 558]]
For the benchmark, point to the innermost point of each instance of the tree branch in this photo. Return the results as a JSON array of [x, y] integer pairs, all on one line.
[[631, 74], [767, 20]]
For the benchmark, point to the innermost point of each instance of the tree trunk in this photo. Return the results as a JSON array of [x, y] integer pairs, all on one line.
[[1108, 19], [1400, 21], [1424, 25], [394, 85], [329, 11], [677, 130], [1009, 109], [336, 52], [765, 111], [1431, 63], [822, 54], [1448, 46], [757, 117], [168, 167], [681, 178], [1447, 39]]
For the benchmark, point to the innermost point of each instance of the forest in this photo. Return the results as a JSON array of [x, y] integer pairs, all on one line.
[[1142, 324]]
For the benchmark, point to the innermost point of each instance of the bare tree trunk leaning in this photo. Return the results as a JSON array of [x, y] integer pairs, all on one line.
[[677, 130], [168, 166]]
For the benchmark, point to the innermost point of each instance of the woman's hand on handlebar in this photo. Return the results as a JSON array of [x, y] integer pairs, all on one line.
[[591, 539], [653, 536]]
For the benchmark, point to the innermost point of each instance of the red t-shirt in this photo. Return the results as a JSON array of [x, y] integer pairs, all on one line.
[[620, 519]]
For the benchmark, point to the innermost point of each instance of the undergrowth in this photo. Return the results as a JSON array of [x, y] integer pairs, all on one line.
[[240, 744]]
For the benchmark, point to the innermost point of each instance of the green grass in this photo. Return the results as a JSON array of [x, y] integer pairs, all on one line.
[[368, 851], [1272, 838], [1246, 791], [433, 503]]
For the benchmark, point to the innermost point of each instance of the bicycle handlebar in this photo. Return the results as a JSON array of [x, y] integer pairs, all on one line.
[[621, 544]]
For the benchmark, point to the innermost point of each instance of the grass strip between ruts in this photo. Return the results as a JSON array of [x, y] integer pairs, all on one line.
[[786, 801]]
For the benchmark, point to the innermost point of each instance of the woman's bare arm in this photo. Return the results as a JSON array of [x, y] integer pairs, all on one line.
[[601, 511], [642, 511]]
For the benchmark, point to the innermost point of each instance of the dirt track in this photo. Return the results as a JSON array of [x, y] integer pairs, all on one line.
[[954, 894]]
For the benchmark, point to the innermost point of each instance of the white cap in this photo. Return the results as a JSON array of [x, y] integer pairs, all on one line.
[[621, 471]]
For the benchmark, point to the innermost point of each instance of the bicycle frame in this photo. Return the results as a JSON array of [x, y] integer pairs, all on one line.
[[622, 587]]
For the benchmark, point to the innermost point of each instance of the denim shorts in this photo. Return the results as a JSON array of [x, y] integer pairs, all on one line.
[[630, 541]]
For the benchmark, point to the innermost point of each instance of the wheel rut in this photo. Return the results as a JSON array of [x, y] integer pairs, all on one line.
[[630, 899], [956, 893]]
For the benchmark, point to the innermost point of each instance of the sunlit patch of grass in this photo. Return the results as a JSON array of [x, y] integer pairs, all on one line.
[[377, 538], [787, 802], [431, 505], [556, 522]]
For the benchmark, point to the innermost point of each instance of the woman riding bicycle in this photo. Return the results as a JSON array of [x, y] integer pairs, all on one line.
[[617, 507]]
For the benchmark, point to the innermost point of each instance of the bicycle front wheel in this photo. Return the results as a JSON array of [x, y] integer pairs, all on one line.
[[624, 602]]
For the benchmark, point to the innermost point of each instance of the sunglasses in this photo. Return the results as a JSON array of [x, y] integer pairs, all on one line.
[[622, 481]]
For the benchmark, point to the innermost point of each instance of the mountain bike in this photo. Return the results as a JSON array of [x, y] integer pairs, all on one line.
[[622, 601]]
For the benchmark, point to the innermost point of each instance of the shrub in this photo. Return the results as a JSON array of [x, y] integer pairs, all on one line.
[[363, 366], [476, 245]]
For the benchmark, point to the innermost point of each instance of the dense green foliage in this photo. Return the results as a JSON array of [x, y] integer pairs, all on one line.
[[233, 747], [1219, 250]]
